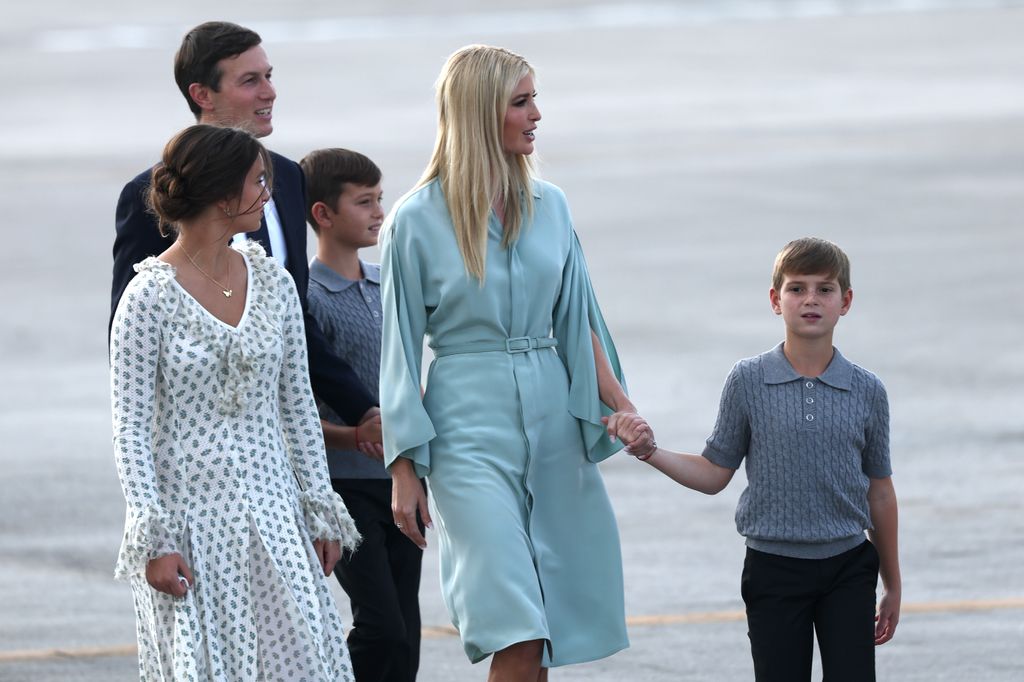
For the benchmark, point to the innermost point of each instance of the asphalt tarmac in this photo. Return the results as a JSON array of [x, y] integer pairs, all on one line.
[[693, 140]]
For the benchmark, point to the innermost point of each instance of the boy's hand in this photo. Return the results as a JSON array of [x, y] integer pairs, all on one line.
[[887, 618], [634, 431]]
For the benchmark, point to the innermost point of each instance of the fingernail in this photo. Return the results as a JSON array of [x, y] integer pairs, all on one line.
[[430, 526]]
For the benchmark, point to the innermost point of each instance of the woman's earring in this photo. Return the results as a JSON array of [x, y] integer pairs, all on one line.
[[228, 213]]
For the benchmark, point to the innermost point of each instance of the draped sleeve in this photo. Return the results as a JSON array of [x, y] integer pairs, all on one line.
[[406, 425], [576, 314]]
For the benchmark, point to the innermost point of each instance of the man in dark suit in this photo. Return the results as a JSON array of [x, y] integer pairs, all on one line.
[[225, 76]]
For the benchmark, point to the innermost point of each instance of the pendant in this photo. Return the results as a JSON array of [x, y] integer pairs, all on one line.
[[227, 293]]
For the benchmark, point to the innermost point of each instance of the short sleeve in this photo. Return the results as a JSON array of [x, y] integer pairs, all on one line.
[[729, 442], [875, 460]]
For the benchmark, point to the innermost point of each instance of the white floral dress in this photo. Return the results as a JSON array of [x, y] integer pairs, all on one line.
[[220, 454]]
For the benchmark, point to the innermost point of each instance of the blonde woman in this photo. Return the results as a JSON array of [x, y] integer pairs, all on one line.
[[482, 260]]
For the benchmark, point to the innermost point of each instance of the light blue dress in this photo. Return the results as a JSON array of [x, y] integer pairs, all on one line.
[[509, 441]]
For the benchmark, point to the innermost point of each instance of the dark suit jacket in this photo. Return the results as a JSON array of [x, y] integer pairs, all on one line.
[[138, 236]]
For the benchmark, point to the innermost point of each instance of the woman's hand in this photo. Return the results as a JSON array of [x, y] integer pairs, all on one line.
[[407, 498], [169, 574], [634, 431], [328, 552]]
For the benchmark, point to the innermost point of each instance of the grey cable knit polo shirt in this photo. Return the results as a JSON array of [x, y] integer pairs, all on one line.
[[349, 313], [810, 444]]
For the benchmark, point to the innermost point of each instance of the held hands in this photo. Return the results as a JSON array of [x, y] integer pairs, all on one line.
[[328, 552], [169, 574], [368, 435], [634, 431]]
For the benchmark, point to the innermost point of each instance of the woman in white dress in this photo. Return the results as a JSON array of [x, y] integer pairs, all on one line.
[[231, 524]]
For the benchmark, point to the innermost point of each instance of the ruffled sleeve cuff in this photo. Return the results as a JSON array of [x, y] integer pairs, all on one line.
[[148, 534], [327, 517]]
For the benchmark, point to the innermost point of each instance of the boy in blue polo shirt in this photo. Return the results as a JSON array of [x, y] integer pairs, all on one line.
[[814, 431], [382, 576]]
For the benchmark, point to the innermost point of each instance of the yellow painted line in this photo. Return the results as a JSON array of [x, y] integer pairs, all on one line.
[[436, 631], [687, 618], [923, 607], [441, 631], [968, 605], [88, 652]]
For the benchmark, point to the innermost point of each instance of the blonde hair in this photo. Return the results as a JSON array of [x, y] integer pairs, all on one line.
[[469, 160]]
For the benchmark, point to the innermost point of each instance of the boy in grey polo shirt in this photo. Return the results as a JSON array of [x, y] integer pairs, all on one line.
[[814, 431], [382, 577]]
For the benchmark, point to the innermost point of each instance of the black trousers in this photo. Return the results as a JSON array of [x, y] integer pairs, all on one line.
[[382, 581], [789, 600]]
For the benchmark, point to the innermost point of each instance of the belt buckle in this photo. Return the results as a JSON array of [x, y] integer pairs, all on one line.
[[519, 344]]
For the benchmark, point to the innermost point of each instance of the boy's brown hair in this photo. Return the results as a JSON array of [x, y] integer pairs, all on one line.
[[327, 171], [812, 256]]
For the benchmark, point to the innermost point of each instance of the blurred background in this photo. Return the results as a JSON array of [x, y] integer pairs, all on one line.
[[694, 139]]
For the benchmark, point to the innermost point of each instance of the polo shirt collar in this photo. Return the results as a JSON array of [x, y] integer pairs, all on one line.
[[326, 277], [371, 271], [839, 373], [777, 370]]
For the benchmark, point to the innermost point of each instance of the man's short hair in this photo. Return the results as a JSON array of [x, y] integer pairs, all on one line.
[[200, 52], [327, 171], [812, 256]]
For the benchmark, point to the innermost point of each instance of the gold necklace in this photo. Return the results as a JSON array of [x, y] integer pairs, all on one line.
[[223, 289]]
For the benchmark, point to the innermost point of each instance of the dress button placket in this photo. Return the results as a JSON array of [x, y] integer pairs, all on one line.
[[810, 404]]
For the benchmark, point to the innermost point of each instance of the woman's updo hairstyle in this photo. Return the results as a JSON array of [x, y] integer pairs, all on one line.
[[201, 165]]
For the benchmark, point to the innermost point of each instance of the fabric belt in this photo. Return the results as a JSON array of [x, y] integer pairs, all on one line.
[[519, 344]]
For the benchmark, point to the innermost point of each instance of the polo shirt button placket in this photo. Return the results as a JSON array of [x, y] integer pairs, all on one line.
[[367, 298], [810, 411]]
